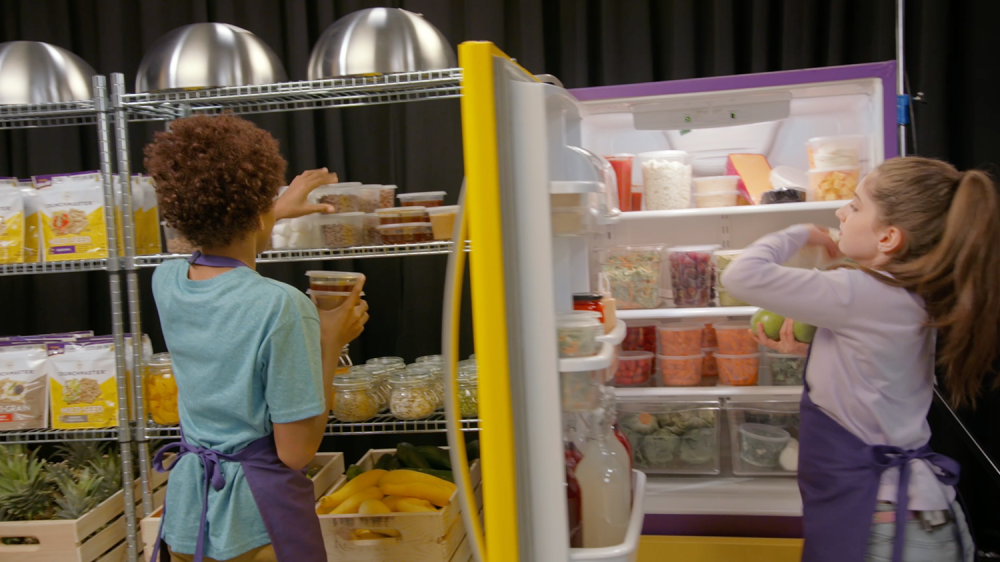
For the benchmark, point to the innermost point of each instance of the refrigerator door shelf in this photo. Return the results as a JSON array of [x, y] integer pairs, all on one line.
[[569, 187], [669, 313], [617, 334], [602, 360], [627, 551]]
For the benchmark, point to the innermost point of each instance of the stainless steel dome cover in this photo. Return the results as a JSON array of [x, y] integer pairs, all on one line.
[[208, 55], [379, 41], [32, 72]]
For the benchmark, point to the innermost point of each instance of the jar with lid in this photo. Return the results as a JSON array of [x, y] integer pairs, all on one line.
[[589, 301], [413, 395], [387, 363], [354, 400], [468, 395], [436, 371], [379, 378], [161, 390], [344, 361]]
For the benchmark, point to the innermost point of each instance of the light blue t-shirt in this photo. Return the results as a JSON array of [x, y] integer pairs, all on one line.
[[246, 354]]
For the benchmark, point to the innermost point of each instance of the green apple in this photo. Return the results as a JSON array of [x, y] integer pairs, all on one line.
[[771, 321], [804, 332]]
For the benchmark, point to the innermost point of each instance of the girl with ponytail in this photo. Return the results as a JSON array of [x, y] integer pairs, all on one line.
[[923, 290]]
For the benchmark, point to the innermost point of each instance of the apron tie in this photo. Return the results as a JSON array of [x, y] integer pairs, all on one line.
[[884, 457]]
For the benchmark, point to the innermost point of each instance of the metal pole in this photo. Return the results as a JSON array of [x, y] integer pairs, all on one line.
[[903, 99], [117, 317]]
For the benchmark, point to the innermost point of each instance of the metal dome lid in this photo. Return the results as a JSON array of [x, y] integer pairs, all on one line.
[[208, 55], [32, 72], [379, 41]]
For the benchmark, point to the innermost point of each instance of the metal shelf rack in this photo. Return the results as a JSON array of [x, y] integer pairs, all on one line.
[[94, 112], [380, 425], [323, 254]]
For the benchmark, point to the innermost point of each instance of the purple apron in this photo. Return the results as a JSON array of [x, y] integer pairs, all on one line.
[[839, 476], [284, 497]]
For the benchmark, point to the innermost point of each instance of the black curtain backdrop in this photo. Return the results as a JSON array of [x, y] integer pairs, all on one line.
[[950, 47]]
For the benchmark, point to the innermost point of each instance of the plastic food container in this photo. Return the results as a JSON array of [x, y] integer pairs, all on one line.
[[371, 234], [406, 233], [735, 338], [738, 370], [354, 398], [578, 336], [633, 273], [681, 339], [680, 371], [672, 436], [345, 197], [783, 195], [722, 260], [161, 390], [761, 445], [176, 242], [333, 281], [716, 184], [836, 152], [717, 199], [666, 179], [622, 164], [325, 300], [692, 273], [400, 215], [640, 337], [422, 199], [570, 221], [786, 370], [708, 337], [710, 366], [387, 196], [342, 230], [833, 184], [443, 221], [634, 368], [370, 198]]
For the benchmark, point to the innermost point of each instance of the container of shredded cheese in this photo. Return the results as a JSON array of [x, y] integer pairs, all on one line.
[[72, 217], [11, 224]]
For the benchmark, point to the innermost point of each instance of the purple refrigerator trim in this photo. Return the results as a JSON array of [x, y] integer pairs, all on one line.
[[884, 70], [774, 527]]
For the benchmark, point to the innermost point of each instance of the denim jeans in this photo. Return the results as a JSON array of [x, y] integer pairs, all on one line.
[[950, 542]]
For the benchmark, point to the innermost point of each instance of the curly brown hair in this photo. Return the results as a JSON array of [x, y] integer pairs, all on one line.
[[215, 176]]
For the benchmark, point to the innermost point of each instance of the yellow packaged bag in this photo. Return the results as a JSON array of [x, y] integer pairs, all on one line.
[[32, 223], [151, 217], [73, 225], [23, 396], [83, 388], [11, 225]]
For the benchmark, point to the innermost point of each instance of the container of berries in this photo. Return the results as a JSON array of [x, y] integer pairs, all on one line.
[[640, 336], [692, 273], [634, 368]]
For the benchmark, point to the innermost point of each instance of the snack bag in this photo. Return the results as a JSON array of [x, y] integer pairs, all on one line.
[[32, 224], [73, 225], [151, 217], [23, 389], [11, 225], [83, 387]]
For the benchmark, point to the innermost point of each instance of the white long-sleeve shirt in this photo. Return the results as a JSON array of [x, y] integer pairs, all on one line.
[[872, 361]]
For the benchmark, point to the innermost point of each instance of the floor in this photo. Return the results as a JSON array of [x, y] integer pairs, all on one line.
[[718, 549]]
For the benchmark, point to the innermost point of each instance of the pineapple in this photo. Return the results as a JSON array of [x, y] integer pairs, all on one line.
[[25, 487], [78, 491], [109, 468], [78, 453]]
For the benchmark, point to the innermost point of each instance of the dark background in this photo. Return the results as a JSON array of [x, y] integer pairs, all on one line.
[[951, 48]]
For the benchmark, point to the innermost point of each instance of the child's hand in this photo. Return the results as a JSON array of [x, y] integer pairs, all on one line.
[[292, 203], [820, 236], [344, 324], [787, 345]]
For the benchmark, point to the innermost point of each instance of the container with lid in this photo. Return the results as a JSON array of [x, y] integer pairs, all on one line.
[[837, 151], [371, 234], [691, 274], [327, 300], [436, 370], [634, 368], [763, 435], [342, 230], [735, 338], [422, 199], [833, 184], [334, 281], [633, 273], [161, 390], [666, 179], [406, 233], [387, 196], [680, 339], [761, 445], [722, 260], [430, 359], [738, 370], [717, 199], [354, 397], [640, 336], [443, 221], [468, 397], [589, 301], [370, 198], [715, 184], [680, 371], [343, 196], [380, 383], [786, 370], [578, 336], [413, 395], [389, 363]]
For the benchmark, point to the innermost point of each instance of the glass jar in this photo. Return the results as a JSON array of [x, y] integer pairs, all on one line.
[[344, 362], [380, 383], [436, 371], [390, 363], [468, 396], [161, 390], [354, 399], [430, 359], [413, 395], [589, 301]]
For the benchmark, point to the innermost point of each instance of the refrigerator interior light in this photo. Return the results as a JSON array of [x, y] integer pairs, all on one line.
[[710, 111]]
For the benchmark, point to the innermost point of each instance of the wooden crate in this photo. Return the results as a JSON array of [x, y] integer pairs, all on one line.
[[423, 537], [332, 470], [98, 536]]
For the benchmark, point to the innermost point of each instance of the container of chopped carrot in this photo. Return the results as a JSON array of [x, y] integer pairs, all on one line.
[[738, 370], [633, 273], [578, 336]]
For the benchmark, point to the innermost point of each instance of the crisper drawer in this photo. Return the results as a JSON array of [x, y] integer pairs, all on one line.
[[763, 435], [671, 435]]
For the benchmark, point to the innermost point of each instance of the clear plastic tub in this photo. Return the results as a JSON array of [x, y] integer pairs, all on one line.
[[372, 236], [343, 230], [836, 151], [692, 274], [578, 336], [387, 196], [401, 215], [640, 336], [570, 221], [633, 273], [333, 281], [325, 300], [634, 368], [680, 339], [710, 366], [716, 199], [370, 198], [753, 456], [680, 371], [345, 197], [406, 233], [666, 179], [443, 221], [422, 199], [672, 436], [833, 184], [716, 184], [722, 259], [738, 370], [786, 370], [761, 445], [735, 338]]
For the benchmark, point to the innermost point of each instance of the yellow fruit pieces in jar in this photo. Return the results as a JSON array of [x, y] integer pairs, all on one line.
[[161, 396], [834, 185]]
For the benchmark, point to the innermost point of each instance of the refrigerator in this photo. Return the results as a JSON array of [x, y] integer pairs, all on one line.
[[529, 145]]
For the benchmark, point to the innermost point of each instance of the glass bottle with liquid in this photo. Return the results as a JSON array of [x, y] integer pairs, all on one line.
[[605, 483]]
